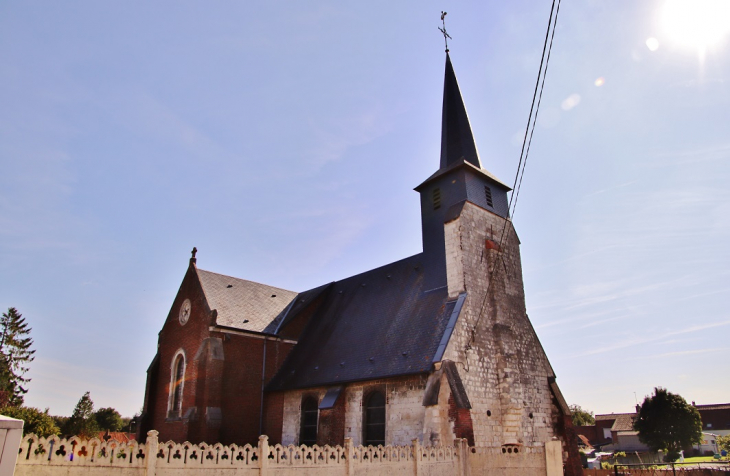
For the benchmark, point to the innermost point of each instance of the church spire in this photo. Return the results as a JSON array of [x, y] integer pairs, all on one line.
[[457, 141]]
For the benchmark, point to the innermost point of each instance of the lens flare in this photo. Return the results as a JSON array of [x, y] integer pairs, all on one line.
[[599, 82], [570, 102], [699, 23], [652, 44]]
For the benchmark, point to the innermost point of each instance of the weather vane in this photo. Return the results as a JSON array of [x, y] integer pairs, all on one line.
[[443, 30]]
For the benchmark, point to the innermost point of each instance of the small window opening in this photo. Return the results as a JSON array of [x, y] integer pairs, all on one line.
[[375, 419], [310, 414], [436, 198], [488, 195]]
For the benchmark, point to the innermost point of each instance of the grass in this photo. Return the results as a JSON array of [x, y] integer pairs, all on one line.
[[700, 459]]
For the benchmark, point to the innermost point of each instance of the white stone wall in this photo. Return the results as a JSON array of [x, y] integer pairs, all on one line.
[[503, 367], [404, 413], [437, 427], [293, 414]]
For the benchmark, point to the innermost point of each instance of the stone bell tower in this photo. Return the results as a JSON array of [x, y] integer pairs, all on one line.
[[472, 249]]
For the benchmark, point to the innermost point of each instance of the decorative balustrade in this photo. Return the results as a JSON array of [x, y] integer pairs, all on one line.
[[94, 452], [156, 457]]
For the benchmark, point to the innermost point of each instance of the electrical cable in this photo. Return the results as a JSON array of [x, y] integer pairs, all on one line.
[[526, 143]]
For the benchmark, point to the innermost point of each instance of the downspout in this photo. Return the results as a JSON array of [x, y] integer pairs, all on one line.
[[263, 381]]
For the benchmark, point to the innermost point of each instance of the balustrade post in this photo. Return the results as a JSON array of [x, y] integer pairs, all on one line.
[[416, 456], [349, 453], [263, 455], [463, 452], [151, 453]]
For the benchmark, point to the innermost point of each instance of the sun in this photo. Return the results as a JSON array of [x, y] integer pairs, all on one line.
[[699, 24]]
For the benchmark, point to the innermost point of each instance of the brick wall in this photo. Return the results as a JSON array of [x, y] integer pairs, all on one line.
[[222, 388], [462, 424], [174, 338]]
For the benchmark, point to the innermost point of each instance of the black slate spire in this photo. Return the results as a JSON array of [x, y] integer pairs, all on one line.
[[457, 141]]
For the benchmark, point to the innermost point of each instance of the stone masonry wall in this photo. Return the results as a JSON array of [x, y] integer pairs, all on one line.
[[500, 361], [405, 414]]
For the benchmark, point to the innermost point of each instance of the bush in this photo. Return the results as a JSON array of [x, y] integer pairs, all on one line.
[[36, 421]]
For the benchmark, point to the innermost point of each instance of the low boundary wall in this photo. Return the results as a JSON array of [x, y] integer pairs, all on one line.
[[54, 456]]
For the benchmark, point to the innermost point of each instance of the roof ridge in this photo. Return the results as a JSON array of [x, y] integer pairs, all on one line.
[[370, 270], [246, 280]]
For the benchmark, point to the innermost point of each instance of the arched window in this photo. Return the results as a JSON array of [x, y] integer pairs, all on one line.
[[310, 413], [176, 386], [374, 419]]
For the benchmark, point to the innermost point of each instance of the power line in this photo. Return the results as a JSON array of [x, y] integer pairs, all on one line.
[[526, 142]]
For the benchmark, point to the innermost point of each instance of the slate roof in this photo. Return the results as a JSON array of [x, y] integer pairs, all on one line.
[[714, 406], [242, 304], [457, 141], [377, 324], [622, 421], [301, 301], [462, 164]]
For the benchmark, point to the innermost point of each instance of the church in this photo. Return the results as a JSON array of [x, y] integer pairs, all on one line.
[[434, 347]]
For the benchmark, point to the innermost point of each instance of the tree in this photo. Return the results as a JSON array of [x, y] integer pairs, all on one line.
[[82, 422], [36, 421], [15, 355], [724, 442], [581, 417], [667, 422], [108, 419]]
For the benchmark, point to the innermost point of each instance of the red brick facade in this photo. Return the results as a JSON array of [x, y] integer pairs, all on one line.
[[224, 376], [461, 417]]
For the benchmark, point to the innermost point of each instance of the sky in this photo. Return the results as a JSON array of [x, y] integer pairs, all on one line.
[[284, 140]]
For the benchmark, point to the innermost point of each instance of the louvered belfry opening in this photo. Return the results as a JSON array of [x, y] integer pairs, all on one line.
[[488, 195]]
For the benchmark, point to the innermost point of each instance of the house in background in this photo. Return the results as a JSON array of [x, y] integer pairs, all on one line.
[[620, 428], [435, 347], [615, 431], [708, 445], [715, 418]]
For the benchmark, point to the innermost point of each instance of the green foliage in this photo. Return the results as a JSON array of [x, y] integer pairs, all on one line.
[[724, 442], [15, 356], [60, 421], [581, 417], [36, 421], [82, 422], [108, 419], [614, 460], [667, 422]]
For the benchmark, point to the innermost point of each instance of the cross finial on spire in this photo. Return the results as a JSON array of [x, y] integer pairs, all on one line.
[[443, 31], [193, 260]]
